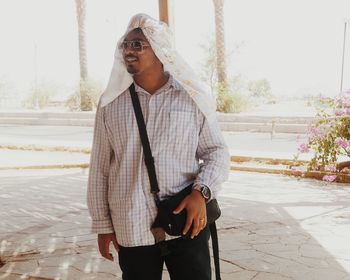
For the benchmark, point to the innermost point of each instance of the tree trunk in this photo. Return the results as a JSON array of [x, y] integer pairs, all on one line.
[[220, 43], [81, 13]]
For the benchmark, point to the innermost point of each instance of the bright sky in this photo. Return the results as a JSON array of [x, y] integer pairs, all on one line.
[[296, 45]]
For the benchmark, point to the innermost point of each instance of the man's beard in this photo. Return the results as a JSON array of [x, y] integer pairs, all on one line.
[[131, 70]]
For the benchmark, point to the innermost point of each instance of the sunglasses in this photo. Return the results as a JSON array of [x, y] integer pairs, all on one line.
[[135, 45]]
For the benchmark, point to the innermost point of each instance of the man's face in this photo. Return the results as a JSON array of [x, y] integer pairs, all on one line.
[[138, 60]]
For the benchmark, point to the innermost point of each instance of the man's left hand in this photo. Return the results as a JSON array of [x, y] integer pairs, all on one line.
[[195, 206]]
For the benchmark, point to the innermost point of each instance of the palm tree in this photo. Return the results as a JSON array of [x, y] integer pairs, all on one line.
[[220, 43], [81, 13]]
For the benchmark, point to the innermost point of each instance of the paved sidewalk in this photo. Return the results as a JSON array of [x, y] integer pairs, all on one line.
[[282, 145], [272, 228], [19, 158], [48, 136]]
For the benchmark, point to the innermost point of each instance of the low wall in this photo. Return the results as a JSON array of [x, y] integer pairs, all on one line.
[[228, 122]]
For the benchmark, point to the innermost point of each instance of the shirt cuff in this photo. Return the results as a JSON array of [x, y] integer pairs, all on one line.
[[102, 226]]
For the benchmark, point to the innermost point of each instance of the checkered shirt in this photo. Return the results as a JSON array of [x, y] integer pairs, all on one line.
[[185, 147]]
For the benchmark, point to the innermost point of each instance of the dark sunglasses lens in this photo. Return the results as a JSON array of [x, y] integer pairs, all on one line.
[[136, 45], [124, 45]]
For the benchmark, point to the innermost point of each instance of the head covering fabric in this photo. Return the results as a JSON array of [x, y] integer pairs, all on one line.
[[160, 38]]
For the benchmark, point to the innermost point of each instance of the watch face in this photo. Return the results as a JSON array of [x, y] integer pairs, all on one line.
[[206, 192]]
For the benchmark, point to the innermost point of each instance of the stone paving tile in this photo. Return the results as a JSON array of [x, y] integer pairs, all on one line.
[[272, 227], [11, 276], [227, 267], [240, 275], [270, 276], [20, 267]]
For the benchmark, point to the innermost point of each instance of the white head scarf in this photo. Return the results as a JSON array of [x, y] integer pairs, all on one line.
[[160, 38]]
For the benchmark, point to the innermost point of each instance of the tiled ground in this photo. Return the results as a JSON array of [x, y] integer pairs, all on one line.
[[272, 228]]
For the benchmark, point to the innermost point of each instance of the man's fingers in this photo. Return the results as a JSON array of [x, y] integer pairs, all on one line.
[[106, 254], [103, 246], [188, 224], [204, 224], [104, 251], [181, 207], [109, 257], [196, 229]]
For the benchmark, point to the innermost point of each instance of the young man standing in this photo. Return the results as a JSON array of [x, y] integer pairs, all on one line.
[[187, 147]]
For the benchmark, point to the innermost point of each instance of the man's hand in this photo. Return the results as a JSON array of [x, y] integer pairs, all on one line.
[[196, 209], [103, 244]]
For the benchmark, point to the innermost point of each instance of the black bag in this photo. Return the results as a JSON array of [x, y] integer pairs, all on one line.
[[173, 224]]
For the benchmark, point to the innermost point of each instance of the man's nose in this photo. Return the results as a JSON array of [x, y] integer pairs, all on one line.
[[128, 50]]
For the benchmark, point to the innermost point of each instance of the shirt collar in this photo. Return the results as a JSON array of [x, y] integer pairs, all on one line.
[[170, 83]]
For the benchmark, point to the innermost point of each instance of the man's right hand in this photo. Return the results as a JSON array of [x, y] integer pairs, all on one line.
[[103, 244]]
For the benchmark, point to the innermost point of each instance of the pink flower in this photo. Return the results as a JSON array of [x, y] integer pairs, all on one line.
[[312, 130], [346, 103], [303, 148], [329, 178], [347, 110], [332, 122], [330, 168], [340, 112], [322, 135], [341, 142]]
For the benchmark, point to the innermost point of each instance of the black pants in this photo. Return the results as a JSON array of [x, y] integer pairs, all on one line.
[[189, 259]]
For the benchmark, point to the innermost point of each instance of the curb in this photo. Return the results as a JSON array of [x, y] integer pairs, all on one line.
[[54, 166], [341, 178], [46, 148], [271, 161]]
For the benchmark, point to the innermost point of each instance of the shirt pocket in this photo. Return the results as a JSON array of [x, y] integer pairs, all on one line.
[[182, 133]]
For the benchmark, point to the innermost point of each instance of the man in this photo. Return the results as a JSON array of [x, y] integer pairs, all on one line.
[[187, 147]]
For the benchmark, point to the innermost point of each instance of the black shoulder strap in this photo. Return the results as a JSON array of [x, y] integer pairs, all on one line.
[[215, 245], [149, 161]]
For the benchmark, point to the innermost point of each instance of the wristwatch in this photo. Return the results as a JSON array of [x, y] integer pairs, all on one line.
[[204, 190]]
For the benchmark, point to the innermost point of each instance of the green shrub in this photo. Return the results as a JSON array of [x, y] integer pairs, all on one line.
[[260, 88], [86, 96], [228, 102], [40, 96]]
